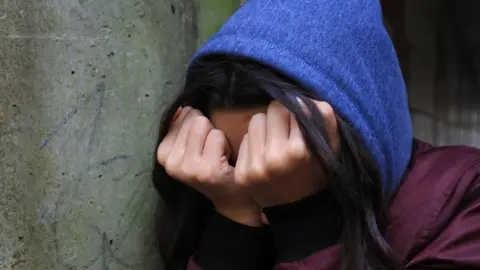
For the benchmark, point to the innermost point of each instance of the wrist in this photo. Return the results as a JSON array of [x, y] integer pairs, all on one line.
[[317, 217], [246, 215], [227, 244]]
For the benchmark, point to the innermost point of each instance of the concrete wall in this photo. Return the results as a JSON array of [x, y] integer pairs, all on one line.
[[82, 85]]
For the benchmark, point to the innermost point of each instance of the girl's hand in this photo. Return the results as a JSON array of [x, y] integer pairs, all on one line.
[[196, 154], [274, 164]]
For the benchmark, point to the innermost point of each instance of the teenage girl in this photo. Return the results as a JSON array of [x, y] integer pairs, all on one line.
[[291, 147]]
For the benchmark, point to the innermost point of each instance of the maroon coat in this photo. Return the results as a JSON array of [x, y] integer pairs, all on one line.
[[435, 217]]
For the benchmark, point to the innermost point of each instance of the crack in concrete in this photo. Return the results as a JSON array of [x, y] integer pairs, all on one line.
[[63, 37]]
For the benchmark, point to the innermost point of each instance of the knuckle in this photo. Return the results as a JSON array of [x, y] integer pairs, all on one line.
[[201, 123], [196, 112], [217, 134], [275, 105], [258, 172], [171, 167], [163, 150], [188, 172], [257, 121], [298, 151], [327, 111], [243, 179], [240, 178], [276, 160], [205, 176], [161, 156], [192, 113]]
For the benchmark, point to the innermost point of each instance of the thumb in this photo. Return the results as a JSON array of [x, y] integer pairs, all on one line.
[[264, 219], [216, 147]]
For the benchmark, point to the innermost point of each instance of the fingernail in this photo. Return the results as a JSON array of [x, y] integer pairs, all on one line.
[[177, 114], [264, 219], [303, 106]]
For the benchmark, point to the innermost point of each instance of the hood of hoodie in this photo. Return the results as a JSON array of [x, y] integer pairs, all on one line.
[[341, 50]]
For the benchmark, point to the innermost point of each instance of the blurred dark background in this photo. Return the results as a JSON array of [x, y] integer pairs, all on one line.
[[438, 44]]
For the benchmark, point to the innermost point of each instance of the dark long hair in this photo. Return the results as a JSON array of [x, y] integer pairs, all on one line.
[[230, 82]]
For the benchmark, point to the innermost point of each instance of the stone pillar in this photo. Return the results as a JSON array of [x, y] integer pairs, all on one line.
[[82, 86]]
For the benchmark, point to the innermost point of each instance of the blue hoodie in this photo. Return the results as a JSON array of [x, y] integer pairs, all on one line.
[[341, 50]]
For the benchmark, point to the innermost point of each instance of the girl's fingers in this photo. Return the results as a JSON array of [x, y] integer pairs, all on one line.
[[278, 126], [330, 122], [265, 219], [241, 166], [180, 144], [167, 143], [298, 147], [257, 135], [304, 107], [179, 118], [216, 146], [200, 128], [176, 149], [177, 114], [295, 131]]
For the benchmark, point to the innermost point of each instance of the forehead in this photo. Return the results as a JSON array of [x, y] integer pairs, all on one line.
[[234, 120], [234, 123], [236, 114]]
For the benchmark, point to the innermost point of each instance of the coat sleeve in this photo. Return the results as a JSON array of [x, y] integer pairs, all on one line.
[[226, 244], [306, 233], [456, 244]]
